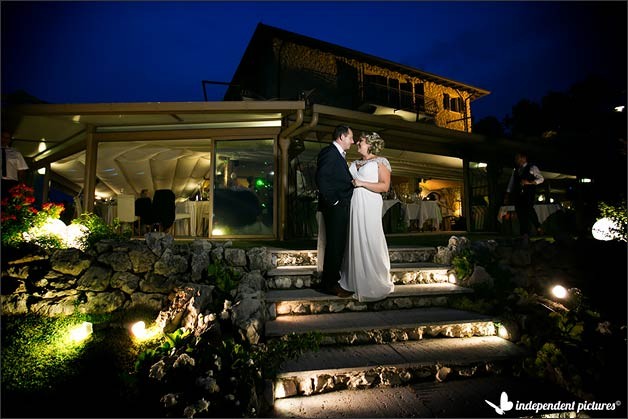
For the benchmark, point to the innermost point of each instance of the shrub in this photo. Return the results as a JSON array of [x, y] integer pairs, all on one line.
[[618, 213], [97, 229]]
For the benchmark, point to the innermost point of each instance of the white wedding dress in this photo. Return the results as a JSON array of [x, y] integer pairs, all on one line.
[[366, 264]]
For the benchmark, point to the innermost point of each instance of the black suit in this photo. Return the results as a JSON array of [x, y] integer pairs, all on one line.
[[335, 189]]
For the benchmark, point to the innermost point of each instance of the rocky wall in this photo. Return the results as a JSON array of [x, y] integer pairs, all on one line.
[[151, 274]]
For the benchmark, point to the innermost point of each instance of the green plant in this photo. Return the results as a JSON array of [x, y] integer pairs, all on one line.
[[463, 264], [224, 277], [97, 229], [618, 213]]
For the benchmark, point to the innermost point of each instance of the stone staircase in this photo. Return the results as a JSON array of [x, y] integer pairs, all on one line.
[[413, 336]]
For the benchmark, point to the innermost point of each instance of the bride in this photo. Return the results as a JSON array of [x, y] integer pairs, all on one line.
[[366, 264]]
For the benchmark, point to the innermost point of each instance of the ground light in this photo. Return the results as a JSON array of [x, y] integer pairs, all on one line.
[[70, 236], [141, 333], [559, 291], [605, 229], [452, 278], [81, 332], [502, 332]]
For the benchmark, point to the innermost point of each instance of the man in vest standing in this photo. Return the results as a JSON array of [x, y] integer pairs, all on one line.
[[521, 192], [13, 164]]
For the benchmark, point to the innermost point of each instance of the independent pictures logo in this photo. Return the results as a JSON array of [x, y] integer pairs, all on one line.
[[506, 405]]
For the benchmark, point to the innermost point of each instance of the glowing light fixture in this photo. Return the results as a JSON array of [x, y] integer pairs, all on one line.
[[81, 332], [42, 145], [41, 170], [559, 291], [452, 278], [605, 229], [502, 332], [218, 232], [482, 165], [140, 332], [541, 198], [280, 391], [620, 108], [551, 200], [585, 180]]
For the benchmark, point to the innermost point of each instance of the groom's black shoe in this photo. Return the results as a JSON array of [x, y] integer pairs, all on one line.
[[336, 290]]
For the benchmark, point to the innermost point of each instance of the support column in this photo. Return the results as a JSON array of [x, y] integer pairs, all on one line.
[[91, 161], [45, 189], [466, 196], [284, 143], [493, 171]]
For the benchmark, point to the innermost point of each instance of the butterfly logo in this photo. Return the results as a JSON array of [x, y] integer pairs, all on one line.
[[504, 404]]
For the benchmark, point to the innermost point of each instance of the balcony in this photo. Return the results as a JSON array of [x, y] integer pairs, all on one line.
[[378, 94]]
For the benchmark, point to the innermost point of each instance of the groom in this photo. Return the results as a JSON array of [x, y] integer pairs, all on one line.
[[335, 189]]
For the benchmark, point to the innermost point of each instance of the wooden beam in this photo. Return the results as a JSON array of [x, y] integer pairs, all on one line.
[[66, 148], [160, 107], [222, 134]]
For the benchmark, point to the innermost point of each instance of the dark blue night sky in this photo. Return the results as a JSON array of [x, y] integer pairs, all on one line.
[[91, 52]]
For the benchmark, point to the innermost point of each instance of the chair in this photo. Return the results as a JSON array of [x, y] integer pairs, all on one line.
[[164, 208], [126, 210], [179, 216], [144, 210], [183, 216]]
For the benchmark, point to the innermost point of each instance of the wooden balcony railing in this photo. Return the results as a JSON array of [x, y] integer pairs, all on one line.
[[380, 94]]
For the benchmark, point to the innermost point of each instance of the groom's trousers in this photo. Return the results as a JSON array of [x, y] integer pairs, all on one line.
[[336, 226]]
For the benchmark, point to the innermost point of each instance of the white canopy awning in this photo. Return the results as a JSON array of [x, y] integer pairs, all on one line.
[[141, 145]]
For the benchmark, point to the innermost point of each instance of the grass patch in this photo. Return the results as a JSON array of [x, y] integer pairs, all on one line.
[[45, 374]]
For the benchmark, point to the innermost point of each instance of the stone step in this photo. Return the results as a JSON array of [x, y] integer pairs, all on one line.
[[384, 326], [283, 257], [305, 276], [464, 398], [309, 301], [394, 364]]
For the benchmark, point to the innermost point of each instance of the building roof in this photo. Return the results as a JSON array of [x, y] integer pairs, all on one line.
[[267, 32]]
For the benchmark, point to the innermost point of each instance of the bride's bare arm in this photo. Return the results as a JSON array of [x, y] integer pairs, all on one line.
[[383, 183]]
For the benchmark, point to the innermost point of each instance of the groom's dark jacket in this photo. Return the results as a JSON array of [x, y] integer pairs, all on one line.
[[333, 178]]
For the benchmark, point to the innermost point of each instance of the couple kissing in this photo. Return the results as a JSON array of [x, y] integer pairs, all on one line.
[[352, 250]]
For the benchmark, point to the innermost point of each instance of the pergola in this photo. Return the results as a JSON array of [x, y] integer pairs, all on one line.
[[109, 148]]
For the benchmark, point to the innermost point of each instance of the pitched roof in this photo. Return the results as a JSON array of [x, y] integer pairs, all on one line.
[[265, 31]]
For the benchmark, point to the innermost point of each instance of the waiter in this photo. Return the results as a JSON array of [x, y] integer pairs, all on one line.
[[522, 188], [13, 164]]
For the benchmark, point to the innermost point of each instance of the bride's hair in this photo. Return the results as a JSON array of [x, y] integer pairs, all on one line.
[[375, 142]]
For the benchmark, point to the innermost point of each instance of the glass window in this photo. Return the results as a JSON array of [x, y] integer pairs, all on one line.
[[302, 189], [244, 184]]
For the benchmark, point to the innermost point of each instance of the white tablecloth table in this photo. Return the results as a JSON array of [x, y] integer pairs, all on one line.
[[542, 211], [422, 211], [388, 204], [199, 218]]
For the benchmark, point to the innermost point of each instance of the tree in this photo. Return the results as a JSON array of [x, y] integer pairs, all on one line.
[[489, 126], [526, 120]]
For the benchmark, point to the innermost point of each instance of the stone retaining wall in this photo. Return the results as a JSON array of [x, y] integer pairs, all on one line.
[[121, 275]]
